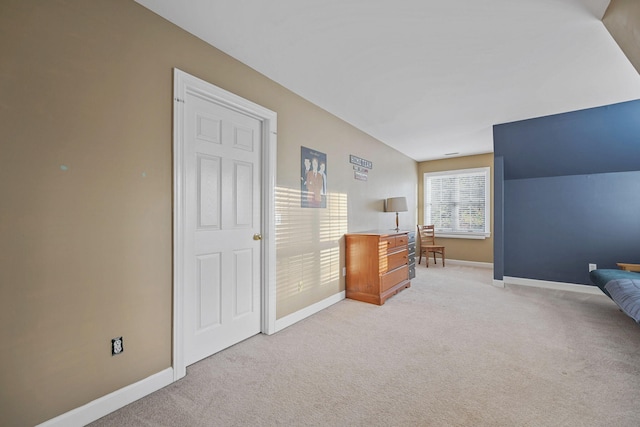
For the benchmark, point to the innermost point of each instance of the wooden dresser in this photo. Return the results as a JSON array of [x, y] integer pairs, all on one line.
[[377, 265]]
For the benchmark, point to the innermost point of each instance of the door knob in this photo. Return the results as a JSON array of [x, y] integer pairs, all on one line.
[[257, 236]]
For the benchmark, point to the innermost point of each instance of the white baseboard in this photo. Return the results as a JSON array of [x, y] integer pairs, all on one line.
[[308, 311], [105, 405], [100, 407], [470, 263], [571, 287]]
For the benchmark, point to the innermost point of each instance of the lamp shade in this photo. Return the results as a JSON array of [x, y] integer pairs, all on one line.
[[397, 204]]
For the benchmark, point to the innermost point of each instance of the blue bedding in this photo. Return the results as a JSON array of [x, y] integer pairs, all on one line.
[[600, 277], [626, 293]]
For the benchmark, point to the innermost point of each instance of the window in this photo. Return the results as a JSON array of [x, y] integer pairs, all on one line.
[[457, 202]]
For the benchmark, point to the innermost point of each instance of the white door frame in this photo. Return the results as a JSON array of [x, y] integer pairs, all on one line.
[[183, 84]]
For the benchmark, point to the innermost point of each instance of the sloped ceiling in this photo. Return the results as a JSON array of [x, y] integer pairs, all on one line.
[[622, 19], [427, 77]]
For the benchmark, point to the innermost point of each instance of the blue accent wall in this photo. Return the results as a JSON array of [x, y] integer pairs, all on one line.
[[597, 140], [571, 186]]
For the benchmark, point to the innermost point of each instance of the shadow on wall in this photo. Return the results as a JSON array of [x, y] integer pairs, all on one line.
[[308, 242]]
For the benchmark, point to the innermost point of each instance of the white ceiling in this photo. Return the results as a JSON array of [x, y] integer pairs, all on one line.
[[427, 77]]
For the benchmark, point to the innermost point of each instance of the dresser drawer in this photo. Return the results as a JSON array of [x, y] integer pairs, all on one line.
[[412, 248], [394, 241], [412, 271], [388, 242], [393, 277], [411, 236], [395, 260]]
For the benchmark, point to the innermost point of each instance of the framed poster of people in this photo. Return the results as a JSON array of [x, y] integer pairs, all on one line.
[[313, 178]]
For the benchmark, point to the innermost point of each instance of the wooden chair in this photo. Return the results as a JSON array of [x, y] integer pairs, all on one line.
[[428, 244]]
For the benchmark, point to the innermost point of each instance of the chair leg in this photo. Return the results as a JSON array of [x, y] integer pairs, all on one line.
[[442, 257], [435, 262], [420, 256]]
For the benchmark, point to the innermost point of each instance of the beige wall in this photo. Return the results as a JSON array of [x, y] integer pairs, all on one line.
[[85, 181], [622, 19], [460, 249], [310, 245]]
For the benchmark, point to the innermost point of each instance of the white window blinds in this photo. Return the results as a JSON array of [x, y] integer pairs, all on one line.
[[457, 201]]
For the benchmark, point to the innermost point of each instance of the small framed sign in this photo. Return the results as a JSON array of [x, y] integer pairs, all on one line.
[[360, 176], [360, 162]]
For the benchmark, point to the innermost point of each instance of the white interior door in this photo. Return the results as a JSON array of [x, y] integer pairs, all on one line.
[[222, 256]]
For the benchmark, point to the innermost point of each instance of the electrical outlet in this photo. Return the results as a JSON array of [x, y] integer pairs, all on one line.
[[117, 346], [299, 286], [592, 267]]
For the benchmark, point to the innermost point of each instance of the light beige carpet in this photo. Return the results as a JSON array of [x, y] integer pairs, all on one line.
[[452, 350]]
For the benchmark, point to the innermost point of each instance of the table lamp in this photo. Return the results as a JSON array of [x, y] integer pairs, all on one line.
[[396, 204]]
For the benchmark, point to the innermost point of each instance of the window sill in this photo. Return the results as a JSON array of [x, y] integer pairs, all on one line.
[[472, 236]]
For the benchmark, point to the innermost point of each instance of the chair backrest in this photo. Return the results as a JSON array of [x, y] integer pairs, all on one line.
[[427, 234]]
